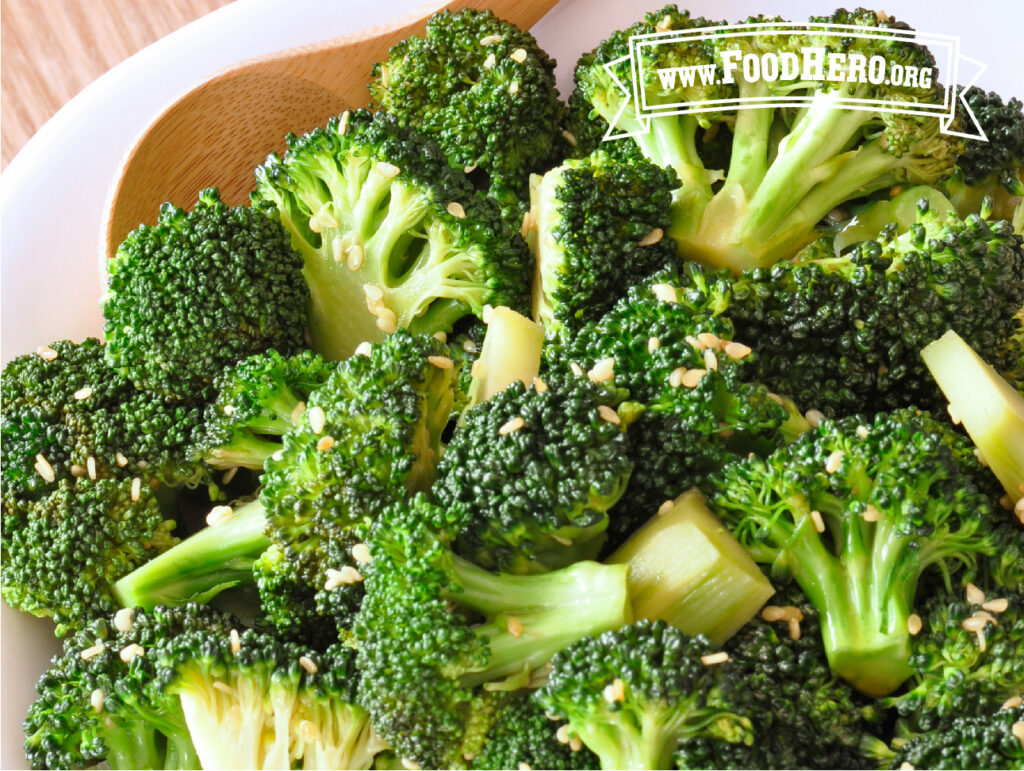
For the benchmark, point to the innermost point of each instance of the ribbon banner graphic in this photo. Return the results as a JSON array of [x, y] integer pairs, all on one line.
[[816, 52]]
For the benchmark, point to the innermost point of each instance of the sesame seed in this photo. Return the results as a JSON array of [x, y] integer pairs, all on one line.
[[514, 626], [618, 690], [44, 469], [308, 664], [490, 61], [46, 353], [441, 362], [137, 488], [229, 475], [228, 409], [92, 651], [561, 539], [356, 255], [814, 418], [477, 368], [973, 624], [539, 385], [83, 393], [603, 370], [490, 40], [346, 576], [1017, 729], [90, 467], [388, 169], [609, 415], [862, 432], [278, 456], [974, 595], [665, 23], [871, 513], [469, 346], [776, 398], [997, 606], [410, 765], [469, 169], [980, 457], [325, 443], [235, 641], [525, 767], [309, 731], [736, 350], [710, 360], [77, 471], [1018, 509], [562, 734], [577, 370], [96, 699], [373, 292], [652, 238], [709, 340], [793, 625], [986, 617], [361, 553], [1012, 703], [692, 377], [575, 743], [512, 425], [441, 336], [710, 659], [343, 123], [527, 226], [317, 419], [363, 349], [906, 765], [666, 293], [954, 415], [123, 620], [694, 342], [219, 515], [120, 459], [570, 138], [818, 520], [130, 652], [675, 377], [519, 55], [979, 635], [223, 687], [653, 344], [456, 210], [338, 248], [914, 624], [666, 507], [513, 87], [834, 461]]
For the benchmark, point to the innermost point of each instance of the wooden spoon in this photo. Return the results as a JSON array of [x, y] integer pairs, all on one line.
[[220, 131]]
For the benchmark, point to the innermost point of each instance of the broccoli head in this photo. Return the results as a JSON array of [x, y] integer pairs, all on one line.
[[201, 290], [988, 741]]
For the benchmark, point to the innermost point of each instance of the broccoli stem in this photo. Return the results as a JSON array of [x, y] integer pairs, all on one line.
[[510, 352], [200, 567], [132, 744], [180, 754], [244, 449]]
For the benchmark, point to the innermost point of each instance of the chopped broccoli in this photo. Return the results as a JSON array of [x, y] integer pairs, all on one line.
[[438, 635], [988, 741], [785, 172], [510, 352], [201, 290], [634, 695], [856, 510], [537, 468], [596, 227], [484, 90], [391, 237]]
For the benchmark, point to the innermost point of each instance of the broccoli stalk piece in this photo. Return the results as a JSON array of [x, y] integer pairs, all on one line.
[[686, 568], [390, 236], [990, 409], [856, 511], [635, 694], [438, 635], [596, 228], [511, 352], [201, 290], [784, 175]]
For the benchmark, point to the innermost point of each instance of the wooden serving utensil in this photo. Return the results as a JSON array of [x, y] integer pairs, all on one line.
[[221, 130]]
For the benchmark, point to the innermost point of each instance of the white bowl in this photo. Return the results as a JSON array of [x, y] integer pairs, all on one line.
[[52, 193]]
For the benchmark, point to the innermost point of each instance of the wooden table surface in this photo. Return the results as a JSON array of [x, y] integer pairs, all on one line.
[[51, 49]]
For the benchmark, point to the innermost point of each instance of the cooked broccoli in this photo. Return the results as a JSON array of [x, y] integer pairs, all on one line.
[[634, 695], [785, 171], [382, 223], [596, 227], [102, 698], [484, 90], [437, 635], [988, 741], [843, 333], [522, 734], [667, 345], [855, 511], [537, 468], [201, 290], [259, 399], [369, 436]]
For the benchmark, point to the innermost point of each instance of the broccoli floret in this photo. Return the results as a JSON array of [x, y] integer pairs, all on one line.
[[537, 468], [965, 661], [668, 346], [485, 91], [390, 235], [596, 228], [989, 741], [803, 715], [523, 734], [634, 695], [63, 553], [369, 436], [102, 699], [438, 635], [201, 290], [856, 510], [843, 333], [785, 172], [259, 399], [251, 701]]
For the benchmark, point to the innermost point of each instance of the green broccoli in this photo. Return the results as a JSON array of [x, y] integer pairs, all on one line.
[[201, 290], [259, 399], [855, 511], [484, 90], [988, 741], [537, 468], [634, 695], [369, 436], [785, 171], [390, 236], [438, 636], [596, 227], [102, 698], [843, 333]]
